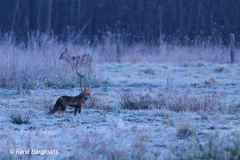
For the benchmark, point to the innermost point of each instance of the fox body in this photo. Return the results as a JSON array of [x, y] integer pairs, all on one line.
[[72, 101]]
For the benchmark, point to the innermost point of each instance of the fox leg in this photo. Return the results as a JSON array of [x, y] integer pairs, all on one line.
[[60, 110], [79, 110], [75, 111]]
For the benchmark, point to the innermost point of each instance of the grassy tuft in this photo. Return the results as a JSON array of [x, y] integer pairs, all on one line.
[[149, 71], [222, 69], [135, 101], [185, 130], [211, 81], [178, 100], [18, 119], [98, 102]]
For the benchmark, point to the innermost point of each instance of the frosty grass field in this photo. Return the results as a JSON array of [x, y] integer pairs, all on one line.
[[140, 110]]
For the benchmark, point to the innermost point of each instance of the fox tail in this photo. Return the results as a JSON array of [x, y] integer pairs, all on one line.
[[55, 108]]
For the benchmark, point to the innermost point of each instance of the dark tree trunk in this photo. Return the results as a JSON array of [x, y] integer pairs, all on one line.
[[49, 17]]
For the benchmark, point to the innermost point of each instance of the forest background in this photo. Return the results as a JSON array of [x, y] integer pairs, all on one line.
[[185, 22]]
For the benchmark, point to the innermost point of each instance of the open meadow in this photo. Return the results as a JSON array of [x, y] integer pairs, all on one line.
[[165, 102]]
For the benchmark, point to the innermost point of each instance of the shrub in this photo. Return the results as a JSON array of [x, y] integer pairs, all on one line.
[[222, 69], [97, 102], [135, 101], [178, 100], [211, 81], [18, 119], [185, 130], [192, 64], [149, 71]]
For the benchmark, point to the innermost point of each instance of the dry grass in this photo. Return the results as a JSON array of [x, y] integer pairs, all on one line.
[[222, 69], [215, 148], [136, 101], [99, 103], [185, 130], [97, 134], [178, 100], [149, 71], [211, 81], [125, 134], [19, 119], [194, 64], [34, 66]]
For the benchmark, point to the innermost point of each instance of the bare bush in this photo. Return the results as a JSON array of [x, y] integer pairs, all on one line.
[[222, 69], [178, 100], [135, 101], [194, 64], [149, 71], [98, 102], [18, 119], [211, 81], [185, 130]]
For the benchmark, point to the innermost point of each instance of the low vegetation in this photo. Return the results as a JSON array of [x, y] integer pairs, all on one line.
[[222, 69], [215, 148], [185, 130], [99, 103], [136, 101], [19, 119], [178, 100], [141, 108]]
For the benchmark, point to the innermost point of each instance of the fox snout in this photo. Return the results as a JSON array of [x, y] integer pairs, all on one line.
[[88, 95]]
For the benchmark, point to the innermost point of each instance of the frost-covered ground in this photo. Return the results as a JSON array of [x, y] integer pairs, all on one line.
[[208, 127]]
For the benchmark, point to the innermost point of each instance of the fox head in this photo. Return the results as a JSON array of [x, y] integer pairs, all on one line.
[[86, 93], [64, 54]]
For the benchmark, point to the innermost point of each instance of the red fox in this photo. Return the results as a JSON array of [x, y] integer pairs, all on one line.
[[76, 102]]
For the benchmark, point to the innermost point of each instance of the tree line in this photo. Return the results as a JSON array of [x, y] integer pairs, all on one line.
[[152, 21]]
